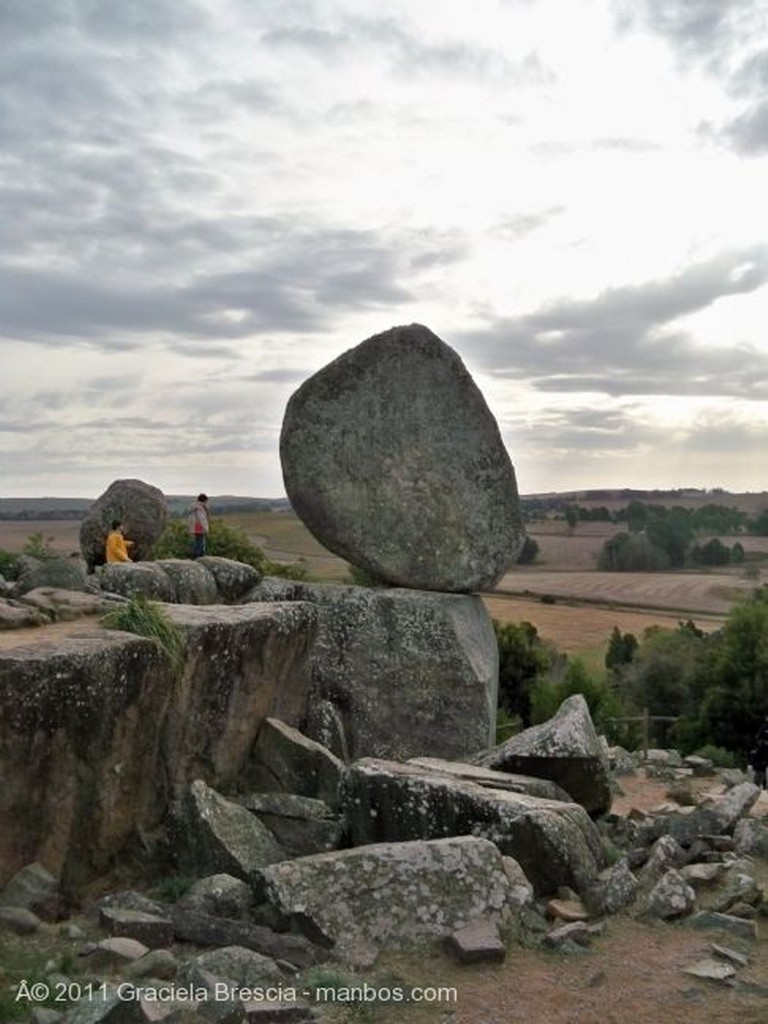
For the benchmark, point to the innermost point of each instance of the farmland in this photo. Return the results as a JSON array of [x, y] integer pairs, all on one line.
[[562, 594]]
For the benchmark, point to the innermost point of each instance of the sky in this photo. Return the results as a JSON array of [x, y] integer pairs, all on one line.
[[204, 202]]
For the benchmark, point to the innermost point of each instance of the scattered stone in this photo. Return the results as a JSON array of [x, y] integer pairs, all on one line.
[[565, 749], [731, 955], [245, 967], [681, 793], [613, 889], [45, 1015], [701, 766], [220, 895], [724, 922], [566, 910], [157, 963], [214, 835], [491, 779], [393, 460], [665, 853], [702, 876], [18, 921], [207, 930], [740, 889], [300, 824], [670, 897], [154, 932], [54, 573], [113, 953], [751, 837], [711, 970], [477, 941], [576, 932], [31, 887]]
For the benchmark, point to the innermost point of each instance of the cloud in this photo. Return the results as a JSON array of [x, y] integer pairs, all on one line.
[[523, 224], [748, 133], [622, 341]]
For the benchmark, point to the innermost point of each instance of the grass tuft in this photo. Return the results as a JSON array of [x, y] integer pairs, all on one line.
[[149, 619]]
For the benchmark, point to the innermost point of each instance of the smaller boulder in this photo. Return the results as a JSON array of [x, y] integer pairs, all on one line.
[[565, 749], [213, 835], [670, 897], [477, 942], [139, 506], [285, 761]]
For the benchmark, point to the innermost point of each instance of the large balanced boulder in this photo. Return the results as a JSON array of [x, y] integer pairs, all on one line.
[[139, 506], [393, 460], [565, 749], [410, 672]]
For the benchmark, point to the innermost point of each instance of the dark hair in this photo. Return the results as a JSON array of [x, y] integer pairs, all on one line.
[[116, 523], [202, 497]]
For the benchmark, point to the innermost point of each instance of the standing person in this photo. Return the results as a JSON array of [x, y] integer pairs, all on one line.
[[198, 525], [116, 546]]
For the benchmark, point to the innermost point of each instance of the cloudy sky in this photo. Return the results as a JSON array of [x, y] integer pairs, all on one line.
[[204, 201]]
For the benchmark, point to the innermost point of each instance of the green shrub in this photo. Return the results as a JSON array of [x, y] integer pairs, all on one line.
[[39, 546], [9, 565], [149, 619], [719, 756], [225, 541], [549, 693]]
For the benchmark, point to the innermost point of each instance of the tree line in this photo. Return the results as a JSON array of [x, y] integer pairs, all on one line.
[[714, 684]]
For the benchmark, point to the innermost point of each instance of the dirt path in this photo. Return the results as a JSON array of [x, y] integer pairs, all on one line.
[[31, 636]]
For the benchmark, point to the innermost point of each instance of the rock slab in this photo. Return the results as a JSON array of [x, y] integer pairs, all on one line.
[[393, 460]]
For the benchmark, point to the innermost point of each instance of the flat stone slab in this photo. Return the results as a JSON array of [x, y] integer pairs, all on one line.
[[393, 460], [475, 942]]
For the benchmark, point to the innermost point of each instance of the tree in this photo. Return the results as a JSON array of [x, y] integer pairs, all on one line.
[[631, 552], [671, 533], [528, 552], [621, 649], [523, 657], [572, 516]]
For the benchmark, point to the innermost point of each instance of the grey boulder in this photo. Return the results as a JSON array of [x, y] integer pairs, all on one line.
[[393, 460], [140, 507], [565, 749], [394, 894]]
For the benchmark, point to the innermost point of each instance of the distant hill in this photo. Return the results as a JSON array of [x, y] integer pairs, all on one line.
[[42, 509]]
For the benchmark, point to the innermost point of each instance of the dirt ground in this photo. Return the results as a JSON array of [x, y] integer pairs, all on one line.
[[631, 974]]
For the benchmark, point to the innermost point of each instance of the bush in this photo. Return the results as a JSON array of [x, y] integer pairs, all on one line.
[[149, 619], [523, 657], [225, 541], [528, 552], [9, 565], [719, 756], [548, 694], [632, 552], [39, 546]]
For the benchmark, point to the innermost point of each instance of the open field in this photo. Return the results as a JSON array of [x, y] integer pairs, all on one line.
[[575, 628], [588, 603]]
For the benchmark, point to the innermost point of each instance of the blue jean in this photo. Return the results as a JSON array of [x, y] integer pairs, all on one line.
[[198, 545]]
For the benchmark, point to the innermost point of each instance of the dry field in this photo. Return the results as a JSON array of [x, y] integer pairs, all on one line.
[[588, 604], [576, 628]]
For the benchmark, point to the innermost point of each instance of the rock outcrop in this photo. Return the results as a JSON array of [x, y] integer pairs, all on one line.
[[565, 749], [371, 895], [409, 672], [554, 842], [140, 507], [207, 580], [393, 460], [96, 732]]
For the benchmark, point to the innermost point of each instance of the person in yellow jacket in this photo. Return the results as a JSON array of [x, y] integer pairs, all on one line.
[[116, 547]]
